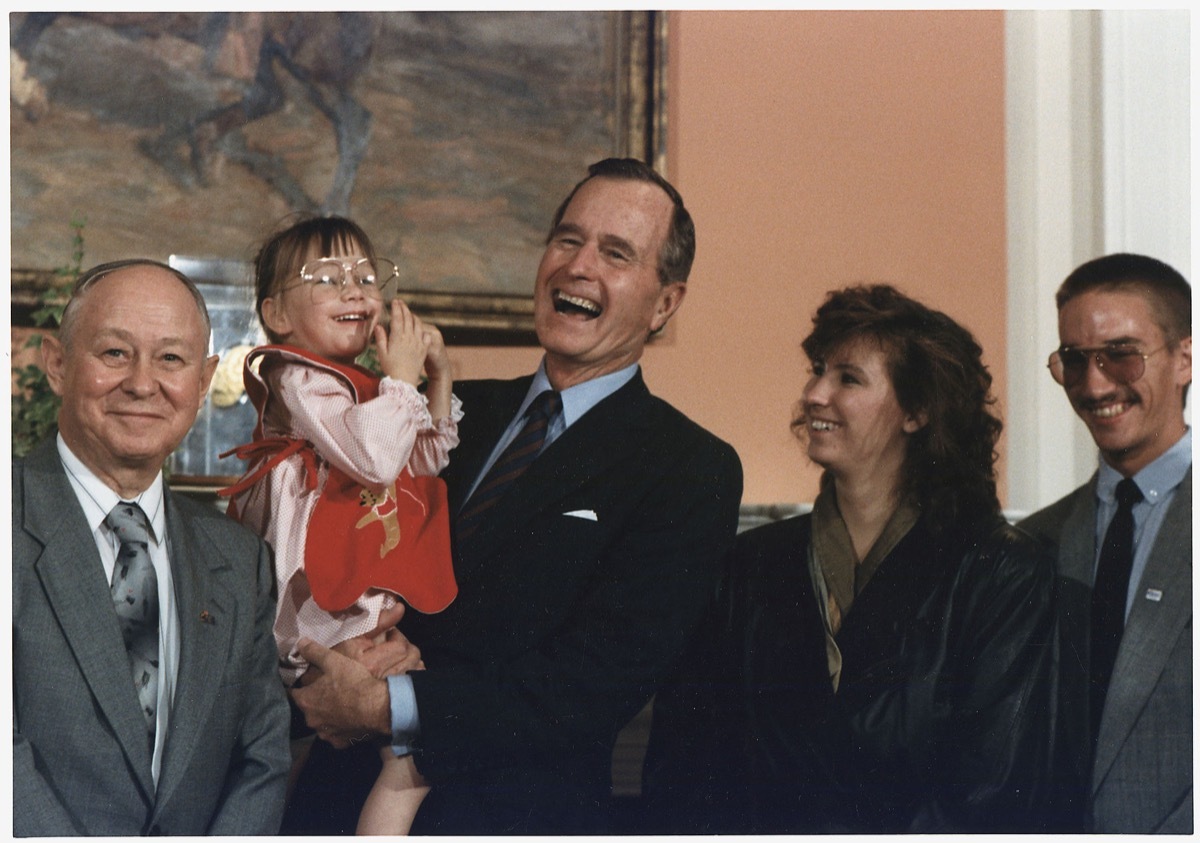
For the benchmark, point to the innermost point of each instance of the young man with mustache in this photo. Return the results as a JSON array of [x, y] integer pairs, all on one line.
[[1124, 544]]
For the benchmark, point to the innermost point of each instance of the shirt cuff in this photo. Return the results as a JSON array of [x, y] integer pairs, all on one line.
[[405, 723]]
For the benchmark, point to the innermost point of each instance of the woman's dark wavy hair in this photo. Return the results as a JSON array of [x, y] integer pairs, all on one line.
[[937, 371], [280, 258]]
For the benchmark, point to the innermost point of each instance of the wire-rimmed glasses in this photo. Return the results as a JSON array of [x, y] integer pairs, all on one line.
[[326, 278], [1122, 363]]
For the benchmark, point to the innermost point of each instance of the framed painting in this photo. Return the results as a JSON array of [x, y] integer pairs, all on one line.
[[450, 136], [189, 137]]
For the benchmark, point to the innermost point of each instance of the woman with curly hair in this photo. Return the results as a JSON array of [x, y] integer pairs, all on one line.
[[882, 664]]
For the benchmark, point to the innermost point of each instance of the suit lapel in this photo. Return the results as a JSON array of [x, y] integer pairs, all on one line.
[[1077, 548], [1152, 628], [487, 412], [1074, 533], [73, 577], [204, 614], [595, 441]]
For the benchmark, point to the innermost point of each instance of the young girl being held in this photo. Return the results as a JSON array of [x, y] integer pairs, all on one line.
[[342, 481]]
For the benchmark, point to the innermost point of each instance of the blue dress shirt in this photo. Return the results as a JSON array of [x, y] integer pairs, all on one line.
[[1158, 482]]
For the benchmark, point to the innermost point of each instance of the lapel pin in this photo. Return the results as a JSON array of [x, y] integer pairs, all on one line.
[[205, 617], [1153, 595]]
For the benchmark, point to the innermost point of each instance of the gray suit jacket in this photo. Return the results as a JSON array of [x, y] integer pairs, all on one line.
[[1141, 775], [81, 764]]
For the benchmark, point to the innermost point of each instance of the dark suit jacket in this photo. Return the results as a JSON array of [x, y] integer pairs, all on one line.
[[81, 764], [564, 624], [1140, 780]]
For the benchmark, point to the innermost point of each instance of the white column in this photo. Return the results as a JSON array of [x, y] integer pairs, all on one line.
[[1146, 95], [1053, 173]]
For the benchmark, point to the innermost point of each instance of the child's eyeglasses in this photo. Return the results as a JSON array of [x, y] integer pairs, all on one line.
[[326, 278]]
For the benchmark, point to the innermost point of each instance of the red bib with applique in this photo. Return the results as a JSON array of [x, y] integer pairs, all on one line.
[[395, 538]]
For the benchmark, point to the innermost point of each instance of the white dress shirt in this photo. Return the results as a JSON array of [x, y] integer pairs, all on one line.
[[97, 500]]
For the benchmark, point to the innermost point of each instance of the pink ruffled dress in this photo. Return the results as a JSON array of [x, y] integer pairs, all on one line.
[[343, 485]]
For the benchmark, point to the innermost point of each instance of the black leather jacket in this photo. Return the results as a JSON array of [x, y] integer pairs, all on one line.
[[942, 720]]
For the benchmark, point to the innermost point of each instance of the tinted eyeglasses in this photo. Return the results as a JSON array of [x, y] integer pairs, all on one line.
[[1123, 364]]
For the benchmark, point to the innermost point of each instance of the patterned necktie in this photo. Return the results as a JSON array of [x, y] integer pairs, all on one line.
[[1108, 596], [135, 597], [511, 464]]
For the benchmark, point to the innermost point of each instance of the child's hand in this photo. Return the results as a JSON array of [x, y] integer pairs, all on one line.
[[437, 368], [403, 346], [437, 361]]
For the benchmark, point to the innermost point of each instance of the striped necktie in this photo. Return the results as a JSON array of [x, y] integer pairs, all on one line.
[[511, 464]]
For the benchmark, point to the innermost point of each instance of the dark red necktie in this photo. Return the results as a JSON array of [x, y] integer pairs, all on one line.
[[511, 464]]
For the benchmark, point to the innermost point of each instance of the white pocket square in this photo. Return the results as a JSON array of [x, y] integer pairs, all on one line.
[[585, 514]]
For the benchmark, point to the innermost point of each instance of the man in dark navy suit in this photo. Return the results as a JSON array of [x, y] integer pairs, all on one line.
[[581, 580]]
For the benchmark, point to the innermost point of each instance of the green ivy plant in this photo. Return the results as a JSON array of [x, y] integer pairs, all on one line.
[[34, 404]]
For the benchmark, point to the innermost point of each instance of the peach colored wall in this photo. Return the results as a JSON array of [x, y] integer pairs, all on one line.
[[818, 149]]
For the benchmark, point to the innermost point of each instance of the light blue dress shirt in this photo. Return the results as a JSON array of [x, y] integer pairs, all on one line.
[[1157, 482], [576, 400]]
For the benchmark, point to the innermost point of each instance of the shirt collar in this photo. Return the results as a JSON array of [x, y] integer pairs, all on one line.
[[98, 499], [580, 398], [1155, 480]]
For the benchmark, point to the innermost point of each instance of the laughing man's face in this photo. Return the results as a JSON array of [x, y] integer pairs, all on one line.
[[598, 295]]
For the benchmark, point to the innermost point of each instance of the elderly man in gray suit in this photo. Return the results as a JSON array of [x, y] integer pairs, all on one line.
[[1124, 544], [145, 695]]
